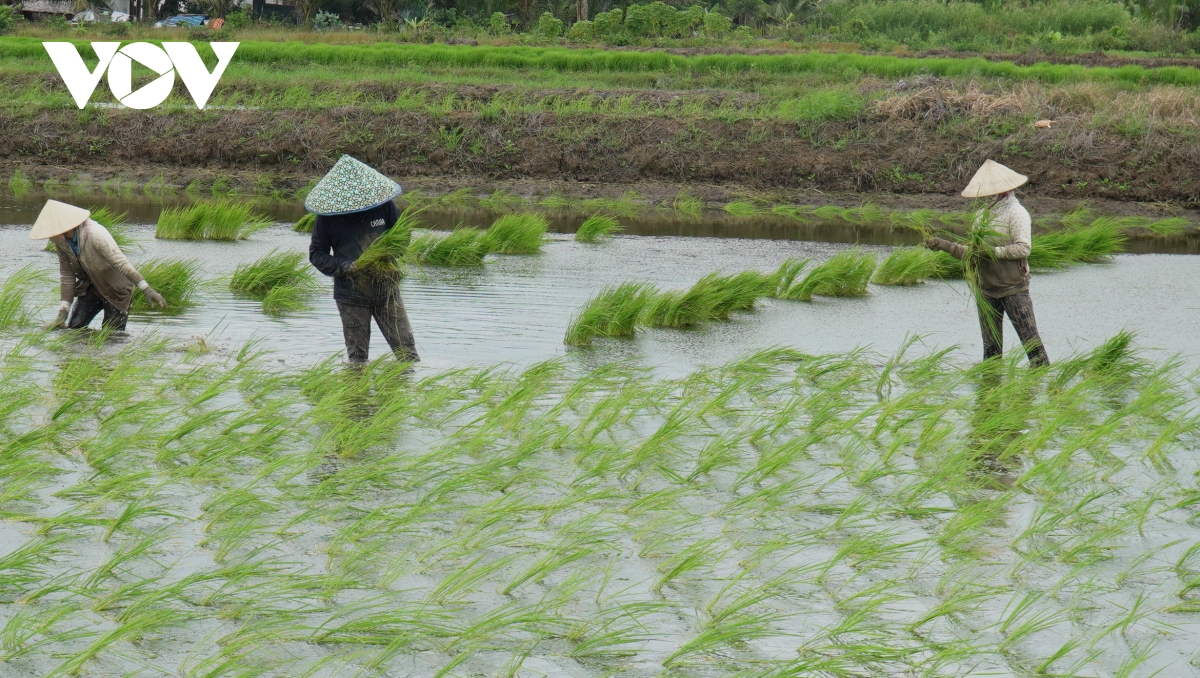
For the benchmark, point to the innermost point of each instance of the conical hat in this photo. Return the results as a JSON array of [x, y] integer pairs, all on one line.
[[992, 179], [349, 187], [57, 218]]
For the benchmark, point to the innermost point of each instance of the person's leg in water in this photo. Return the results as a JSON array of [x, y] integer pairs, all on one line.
[[1019, 308], [85, 309], [991, 325], [356, 328], [393, 322], [114, 319]]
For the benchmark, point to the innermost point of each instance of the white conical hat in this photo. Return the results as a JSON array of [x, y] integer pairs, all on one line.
[[992, 179], [57, 218]]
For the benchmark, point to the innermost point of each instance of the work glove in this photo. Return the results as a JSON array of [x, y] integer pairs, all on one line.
[[154, 298], [58, 322]]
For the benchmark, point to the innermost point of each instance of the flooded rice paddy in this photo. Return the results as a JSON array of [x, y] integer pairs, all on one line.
[[805, 490]]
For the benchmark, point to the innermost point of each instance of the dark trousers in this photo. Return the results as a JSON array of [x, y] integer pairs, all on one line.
[[392, 320], [86, 308], [1019, 309]]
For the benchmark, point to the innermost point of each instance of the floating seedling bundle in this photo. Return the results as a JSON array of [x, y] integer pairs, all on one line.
[[282, 281], [516, 234], [596, 228], [175, 280], [219, 220], [845, 274], [464, 246]]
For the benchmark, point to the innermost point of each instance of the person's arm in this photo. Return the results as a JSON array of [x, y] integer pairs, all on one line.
[[320, 251], [66, 287], [952, 248], [1019, 226], [103, 240]]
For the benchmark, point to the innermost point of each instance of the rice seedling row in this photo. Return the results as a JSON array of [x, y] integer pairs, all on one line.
[[780, 514]]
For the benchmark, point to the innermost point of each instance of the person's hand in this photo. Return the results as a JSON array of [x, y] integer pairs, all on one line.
[[58, 322], [154, 298], [932, 243], [353, 268]]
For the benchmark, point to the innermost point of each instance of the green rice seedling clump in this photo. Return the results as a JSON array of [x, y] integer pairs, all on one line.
[[1057, 249], [846, 274], [15, 307], [742, 208], [464, 246], [284, 277], [219, 220], [908, 266], [615, 312], [385, 254], [305, 223], [596, 228], [516, 234], [176, 280], [712, 298]]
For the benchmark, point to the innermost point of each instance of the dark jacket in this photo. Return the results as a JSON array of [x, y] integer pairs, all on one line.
[[998, 278], [347, 235]]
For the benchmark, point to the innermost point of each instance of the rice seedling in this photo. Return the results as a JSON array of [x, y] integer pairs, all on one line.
[[614, 312], [282, 281], [16, 309], [222, 219], [1092, 243], [686, 203], [501, 200], [909, 266], [383, 256], [177, 280], [305, 223], [845, 274], [516, 234], [741, 208], [461, 247], [596, 228], [19, 184]]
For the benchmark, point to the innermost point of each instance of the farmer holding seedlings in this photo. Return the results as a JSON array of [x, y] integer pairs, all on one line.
[[93, 271], [997, 261], [354, 207]]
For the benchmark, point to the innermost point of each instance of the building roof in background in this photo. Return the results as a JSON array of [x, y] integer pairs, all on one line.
[[49, 6]]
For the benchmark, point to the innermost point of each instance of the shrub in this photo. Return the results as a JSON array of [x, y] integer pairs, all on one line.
[[716, 24], [610, 25], [326, 21], [498, 24], [238, 19], [582, 31], [549, 26], [8, 16]]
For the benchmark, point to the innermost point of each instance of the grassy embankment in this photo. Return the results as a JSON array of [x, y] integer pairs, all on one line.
[[774, 122]]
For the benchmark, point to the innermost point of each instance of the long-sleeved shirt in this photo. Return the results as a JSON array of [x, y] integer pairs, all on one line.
[[338, 241], [99, 262], [1006, 272]]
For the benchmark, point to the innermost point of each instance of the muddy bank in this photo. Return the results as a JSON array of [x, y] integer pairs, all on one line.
[[894, 159]]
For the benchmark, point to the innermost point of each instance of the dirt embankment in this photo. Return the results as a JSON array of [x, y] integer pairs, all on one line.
[[917, 150]]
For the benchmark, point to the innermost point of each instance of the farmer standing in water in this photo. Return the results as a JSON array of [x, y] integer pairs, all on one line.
[[1003, 270], [353, 204], [93, 272]]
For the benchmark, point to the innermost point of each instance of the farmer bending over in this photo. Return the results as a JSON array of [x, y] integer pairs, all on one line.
[[1003, 270], [93, 271], [353, 204]]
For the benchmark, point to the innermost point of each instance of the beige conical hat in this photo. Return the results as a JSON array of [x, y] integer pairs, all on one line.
[[991, 179], [57, 218]]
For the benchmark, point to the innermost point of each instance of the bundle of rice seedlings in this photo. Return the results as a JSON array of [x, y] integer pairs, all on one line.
[[1057, 249], [383, 256], [305, 223], [687, 203], [868, 213], [612, 313], [799, 213], [284, 299], [712, 298], [786, 276], [284, 276], [219, 220], [947, 266], [462, 247], [19, 184], [738, 292], [742, 208], [516, 234], [175, 279], [597, 227], [909, 266], [846, 274], [1168, 227]]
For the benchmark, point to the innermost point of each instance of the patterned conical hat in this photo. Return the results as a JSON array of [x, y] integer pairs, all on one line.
[[993, 179], [349, 187]]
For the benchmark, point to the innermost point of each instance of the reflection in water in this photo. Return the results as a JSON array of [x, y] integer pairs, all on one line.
[[1003, 398]]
